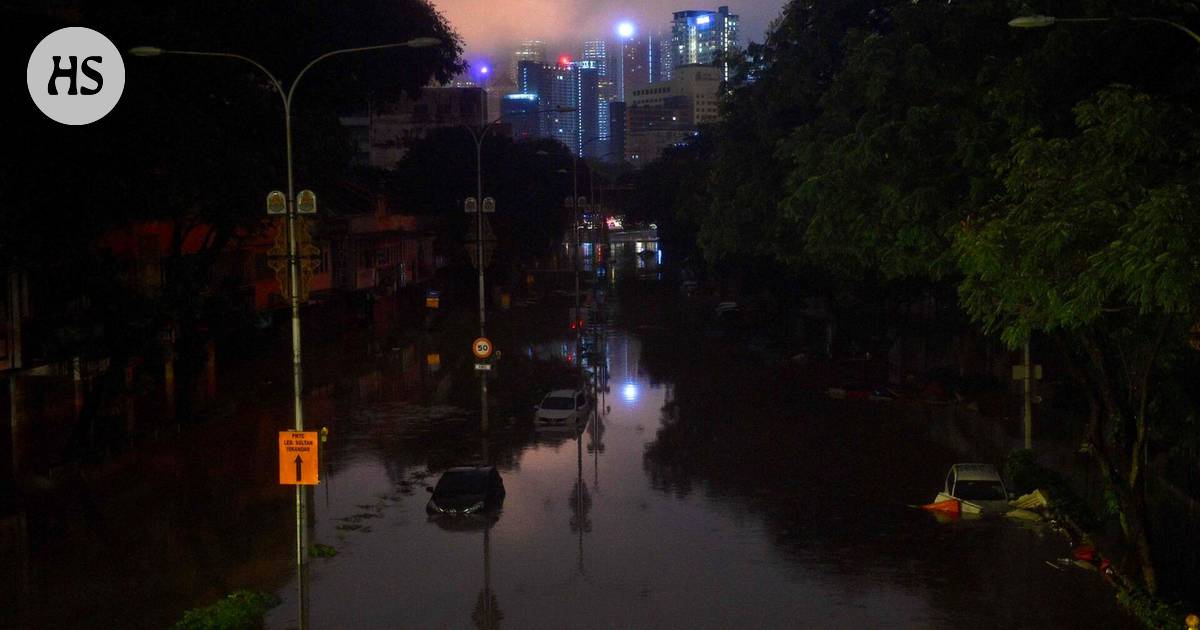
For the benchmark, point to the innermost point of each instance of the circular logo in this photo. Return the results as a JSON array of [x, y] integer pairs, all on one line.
[[482, 348], [75, 75]]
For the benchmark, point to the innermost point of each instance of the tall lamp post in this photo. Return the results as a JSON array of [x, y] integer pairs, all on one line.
[[293, 259], [479, 136]]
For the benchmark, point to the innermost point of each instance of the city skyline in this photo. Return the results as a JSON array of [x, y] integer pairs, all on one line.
[[490, 36]]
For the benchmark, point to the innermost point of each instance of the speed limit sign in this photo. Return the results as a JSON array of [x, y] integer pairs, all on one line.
[[481, 348]]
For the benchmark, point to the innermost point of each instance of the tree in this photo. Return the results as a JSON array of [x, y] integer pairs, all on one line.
[[195, 142], [438, 172], [1093, 243]]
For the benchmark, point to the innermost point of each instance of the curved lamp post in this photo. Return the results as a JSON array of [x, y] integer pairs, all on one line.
[[1043, 21], [293, 260]]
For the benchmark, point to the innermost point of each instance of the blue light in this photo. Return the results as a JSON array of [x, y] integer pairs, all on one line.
[[626, 30], [521, 97], [483, 70], [703, 19], [629, 393]]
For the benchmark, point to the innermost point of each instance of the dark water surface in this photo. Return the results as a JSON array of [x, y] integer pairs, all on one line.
[[706, 494], [749, 516]]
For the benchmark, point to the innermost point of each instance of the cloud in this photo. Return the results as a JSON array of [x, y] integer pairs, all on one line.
[[491, 27]]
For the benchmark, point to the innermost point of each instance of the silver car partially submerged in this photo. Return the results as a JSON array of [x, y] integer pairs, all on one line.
[[977, 488]]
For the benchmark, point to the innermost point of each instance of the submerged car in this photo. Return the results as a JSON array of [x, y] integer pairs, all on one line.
[[467, 490], [562, 407], [977, 488]]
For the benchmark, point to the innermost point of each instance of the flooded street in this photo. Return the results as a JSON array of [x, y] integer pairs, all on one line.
[[705, 493]]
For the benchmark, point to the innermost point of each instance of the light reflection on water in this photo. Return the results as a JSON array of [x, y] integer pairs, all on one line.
[[594, 532]]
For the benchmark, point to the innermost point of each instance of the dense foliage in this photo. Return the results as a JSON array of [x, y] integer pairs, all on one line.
[[194, 141], [1048, 177]]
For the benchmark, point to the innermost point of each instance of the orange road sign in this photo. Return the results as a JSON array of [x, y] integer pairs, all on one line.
[[482, 348], [298, 458]]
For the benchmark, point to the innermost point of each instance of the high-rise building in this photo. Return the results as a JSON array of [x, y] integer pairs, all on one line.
[[520, 113], [570, 86], [635, 65], [661, 114], [530, 50], [666, 58], [703, 37], [616, 127], [589, 140], [596, 51]]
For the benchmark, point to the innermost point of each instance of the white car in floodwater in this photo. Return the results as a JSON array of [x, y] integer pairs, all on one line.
[[562, 408], [978, 489]]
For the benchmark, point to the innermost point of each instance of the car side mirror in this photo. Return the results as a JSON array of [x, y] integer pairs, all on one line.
[[429, 489]]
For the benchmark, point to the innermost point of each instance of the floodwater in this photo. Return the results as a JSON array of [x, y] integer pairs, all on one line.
[[702, 494]]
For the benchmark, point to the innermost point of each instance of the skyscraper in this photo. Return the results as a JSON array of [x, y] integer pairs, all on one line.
[[703, 36], [530, 50], [635, 65], [666, 58], [566, 85], [596, 51], [588, 139], [520, 111]]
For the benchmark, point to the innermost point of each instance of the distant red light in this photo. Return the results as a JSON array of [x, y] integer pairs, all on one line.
[[564, 60]]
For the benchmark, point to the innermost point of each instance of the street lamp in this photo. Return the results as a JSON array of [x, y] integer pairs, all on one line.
[[1043, 21], [293, 259], [479, 137]]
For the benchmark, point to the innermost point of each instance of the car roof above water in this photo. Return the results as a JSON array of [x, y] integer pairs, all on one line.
[[976, 472], [469, 469]]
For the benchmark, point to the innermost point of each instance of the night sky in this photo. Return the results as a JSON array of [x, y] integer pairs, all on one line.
[[490, 28]]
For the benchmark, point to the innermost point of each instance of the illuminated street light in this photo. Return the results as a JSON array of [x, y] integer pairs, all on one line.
[[626, 30]]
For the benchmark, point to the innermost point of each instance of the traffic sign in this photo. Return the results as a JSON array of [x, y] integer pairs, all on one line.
[[489, 204], [432, 299], [470, 206], [481, 348], [298, 458], [483, 367]]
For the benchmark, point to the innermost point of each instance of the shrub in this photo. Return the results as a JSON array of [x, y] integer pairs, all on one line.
[[240, 610]]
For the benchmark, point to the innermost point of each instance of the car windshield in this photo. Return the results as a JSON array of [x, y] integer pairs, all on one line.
[[461, 482], [558, 402], [979, 491]]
